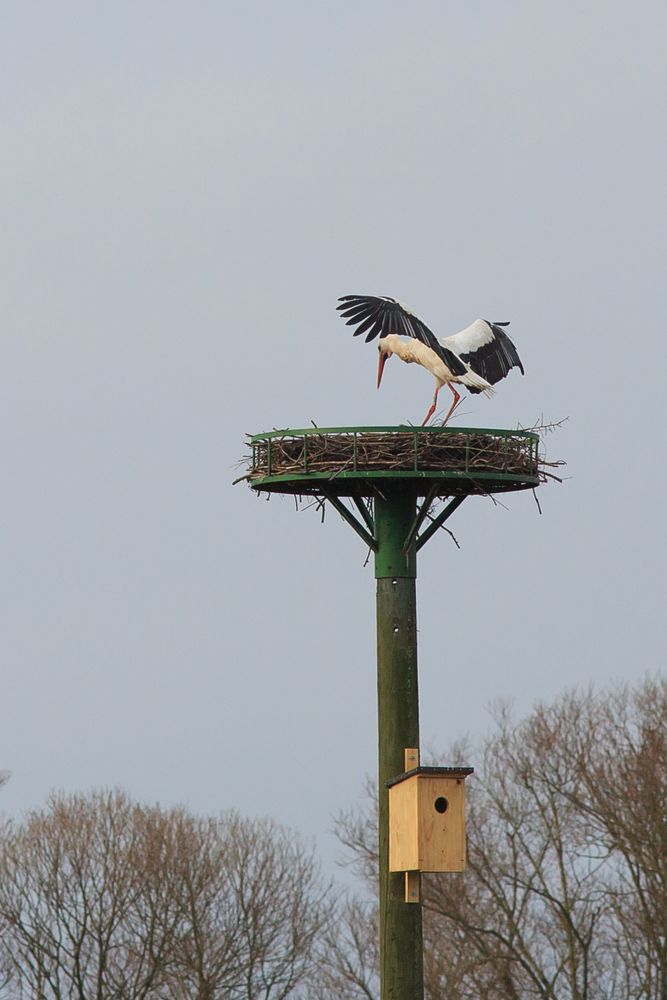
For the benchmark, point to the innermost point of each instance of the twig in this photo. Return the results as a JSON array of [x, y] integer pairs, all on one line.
[[449, 532], [444, 528]]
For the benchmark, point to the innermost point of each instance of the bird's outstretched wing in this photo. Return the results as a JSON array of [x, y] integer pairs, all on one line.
[[486, 348], [378, 315]]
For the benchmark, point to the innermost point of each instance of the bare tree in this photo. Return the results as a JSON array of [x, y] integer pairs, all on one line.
[[619, 748], [565, 895], [5, 966], [253, 904], [348, 956], [532, 908], [82, 900], [104, 899], [564, 898]]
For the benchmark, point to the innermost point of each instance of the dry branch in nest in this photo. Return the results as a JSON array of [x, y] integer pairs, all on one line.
[[468, 454]]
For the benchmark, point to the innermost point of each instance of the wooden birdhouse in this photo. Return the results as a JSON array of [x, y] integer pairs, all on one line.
[[427, 819]]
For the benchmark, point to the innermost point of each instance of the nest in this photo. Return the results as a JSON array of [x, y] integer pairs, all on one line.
[[349, 461]]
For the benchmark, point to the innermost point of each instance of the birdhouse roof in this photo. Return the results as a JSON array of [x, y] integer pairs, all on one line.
[[433, 772]]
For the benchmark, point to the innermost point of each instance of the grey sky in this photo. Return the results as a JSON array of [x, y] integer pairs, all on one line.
[[186, 189]]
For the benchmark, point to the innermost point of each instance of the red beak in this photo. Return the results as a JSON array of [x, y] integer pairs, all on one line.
[[381, 364]]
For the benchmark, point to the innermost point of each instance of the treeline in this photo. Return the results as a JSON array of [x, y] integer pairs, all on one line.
[[565, 894], [102, 898], [564, 898]]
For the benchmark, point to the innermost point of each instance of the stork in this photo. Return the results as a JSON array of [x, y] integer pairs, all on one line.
[[476, 357]]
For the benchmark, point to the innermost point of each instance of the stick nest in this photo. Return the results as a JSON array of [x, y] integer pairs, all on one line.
[[459, 457]]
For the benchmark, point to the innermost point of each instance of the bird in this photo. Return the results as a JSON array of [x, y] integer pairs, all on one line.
[[477, 357]]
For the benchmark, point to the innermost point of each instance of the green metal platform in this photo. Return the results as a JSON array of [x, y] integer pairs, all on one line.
[[366, 461]]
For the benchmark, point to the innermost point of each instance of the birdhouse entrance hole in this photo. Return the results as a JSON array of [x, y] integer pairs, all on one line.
[[427, 822]]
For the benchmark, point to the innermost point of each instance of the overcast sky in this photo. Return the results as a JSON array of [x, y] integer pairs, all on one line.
[[186, 189]]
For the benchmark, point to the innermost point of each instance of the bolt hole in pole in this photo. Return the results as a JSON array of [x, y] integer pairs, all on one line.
[[441, 804]]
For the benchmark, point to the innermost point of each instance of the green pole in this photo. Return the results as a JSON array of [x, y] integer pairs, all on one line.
[[401, 958]]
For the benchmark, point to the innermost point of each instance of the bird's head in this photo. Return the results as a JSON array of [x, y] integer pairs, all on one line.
[[384, 351]]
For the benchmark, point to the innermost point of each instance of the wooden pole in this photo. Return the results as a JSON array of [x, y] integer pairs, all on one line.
[[401, 957]]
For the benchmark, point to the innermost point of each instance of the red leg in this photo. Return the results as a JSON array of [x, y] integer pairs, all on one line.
[[455, 402], [428, 415], [433, 406]]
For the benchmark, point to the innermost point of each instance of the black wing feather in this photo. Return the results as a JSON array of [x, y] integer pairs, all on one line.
[[366, 325], [381, 315], [358, 309], [494, 360]]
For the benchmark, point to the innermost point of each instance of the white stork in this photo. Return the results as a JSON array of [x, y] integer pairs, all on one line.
[[476, 357]]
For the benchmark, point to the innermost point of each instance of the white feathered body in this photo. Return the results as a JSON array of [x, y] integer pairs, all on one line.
[[414, 351]]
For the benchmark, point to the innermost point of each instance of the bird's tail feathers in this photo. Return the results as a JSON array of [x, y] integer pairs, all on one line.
[[475, 383]]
